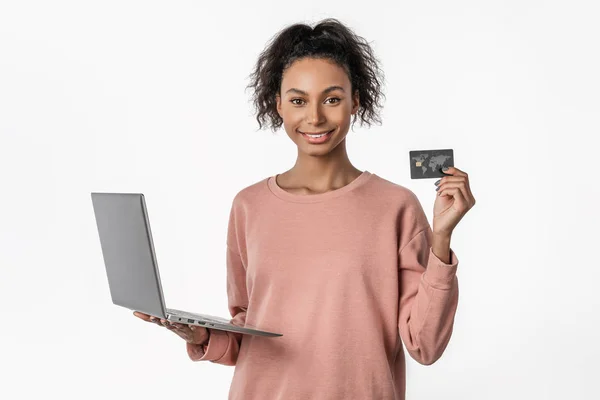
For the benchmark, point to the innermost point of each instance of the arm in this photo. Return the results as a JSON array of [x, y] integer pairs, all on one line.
[[441, 247], [428, 295]]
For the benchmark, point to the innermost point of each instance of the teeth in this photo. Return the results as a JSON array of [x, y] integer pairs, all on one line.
[[316, 136]]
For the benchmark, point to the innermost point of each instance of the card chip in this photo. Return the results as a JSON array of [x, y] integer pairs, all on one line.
[[418, 163]]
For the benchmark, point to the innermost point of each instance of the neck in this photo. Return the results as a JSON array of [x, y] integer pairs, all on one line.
[[319, 174]]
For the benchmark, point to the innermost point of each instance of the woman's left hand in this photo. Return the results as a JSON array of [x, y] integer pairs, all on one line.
[[453, 200]]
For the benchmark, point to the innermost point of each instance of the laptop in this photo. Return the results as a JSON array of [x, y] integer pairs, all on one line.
[[131, 266]]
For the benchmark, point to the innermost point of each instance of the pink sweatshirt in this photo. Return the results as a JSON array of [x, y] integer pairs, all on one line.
[[346, 276]]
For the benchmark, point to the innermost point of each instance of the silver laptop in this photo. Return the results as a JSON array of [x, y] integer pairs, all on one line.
[[131, 266]]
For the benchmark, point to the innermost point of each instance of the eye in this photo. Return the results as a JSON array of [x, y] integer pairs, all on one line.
[[331, 98]]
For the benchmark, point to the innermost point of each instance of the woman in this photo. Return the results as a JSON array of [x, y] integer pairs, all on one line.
[[340, 261]]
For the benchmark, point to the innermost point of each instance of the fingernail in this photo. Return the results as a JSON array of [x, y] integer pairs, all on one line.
[[437, 188], [445, 169], [437, 182]]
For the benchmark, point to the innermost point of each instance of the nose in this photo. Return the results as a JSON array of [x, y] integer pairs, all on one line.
[[315, 114]]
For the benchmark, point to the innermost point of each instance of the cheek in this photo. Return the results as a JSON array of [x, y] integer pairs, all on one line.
[[341, 115], [290, 114], [292, 120]]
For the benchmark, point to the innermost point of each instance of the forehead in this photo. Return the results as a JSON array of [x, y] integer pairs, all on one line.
[[314, 75]]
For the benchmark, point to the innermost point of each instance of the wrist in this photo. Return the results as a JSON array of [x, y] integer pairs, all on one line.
[[441, 247], [442, 234]]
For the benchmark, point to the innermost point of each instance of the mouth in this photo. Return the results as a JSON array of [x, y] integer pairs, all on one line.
[[317, 137]]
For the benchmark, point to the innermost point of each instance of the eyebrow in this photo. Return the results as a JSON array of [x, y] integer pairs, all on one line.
[[329, 89]]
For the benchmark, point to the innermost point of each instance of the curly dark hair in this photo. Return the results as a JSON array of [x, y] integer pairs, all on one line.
[[329, 39]]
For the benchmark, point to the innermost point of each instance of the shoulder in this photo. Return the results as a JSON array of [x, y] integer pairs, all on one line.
[[249, 194], [405, 203], [398, 193]]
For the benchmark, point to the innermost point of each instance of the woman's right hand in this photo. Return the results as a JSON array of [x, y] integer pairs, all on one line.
[[190, 333]]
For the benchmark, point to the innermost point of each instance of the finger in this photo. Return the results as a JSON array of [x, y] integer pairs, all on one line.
[[178, 332], [191, 330], [451, 185], [467, 183], [177, 326], [182, 333], [155, 320], [461, 180], [455, 171], [184, 328], [165, 322], [168, 324], [140, 315], [451, 179], [458, 182], [460, 203]]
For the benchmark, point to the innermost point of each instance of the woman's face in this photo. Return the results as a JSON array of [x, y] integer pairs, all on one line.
[[315, 97]]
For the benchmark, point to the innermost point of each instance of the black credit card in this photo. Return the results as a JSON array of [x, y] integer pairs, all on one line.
[[429, 163]]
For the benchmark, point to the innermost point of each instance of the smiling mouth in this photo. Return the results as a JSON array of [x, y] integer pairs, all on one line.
[[316, 133], [319, 139]]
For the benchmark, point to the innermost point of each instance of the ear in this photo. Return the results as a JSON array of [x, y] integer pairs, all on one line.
[[278, 100], [355, 102]]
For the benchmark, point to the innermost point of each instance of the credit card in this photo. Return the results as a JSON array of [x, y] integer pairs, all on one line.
[[429, 163]]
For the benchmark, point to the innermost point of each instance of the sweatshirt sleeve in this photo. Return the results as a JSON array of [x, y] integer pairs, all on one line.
[[428, 298], [223, 346]]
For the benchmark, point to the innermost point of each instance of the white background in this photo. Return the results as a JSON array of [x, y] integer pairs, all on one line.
[[147, 96]]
